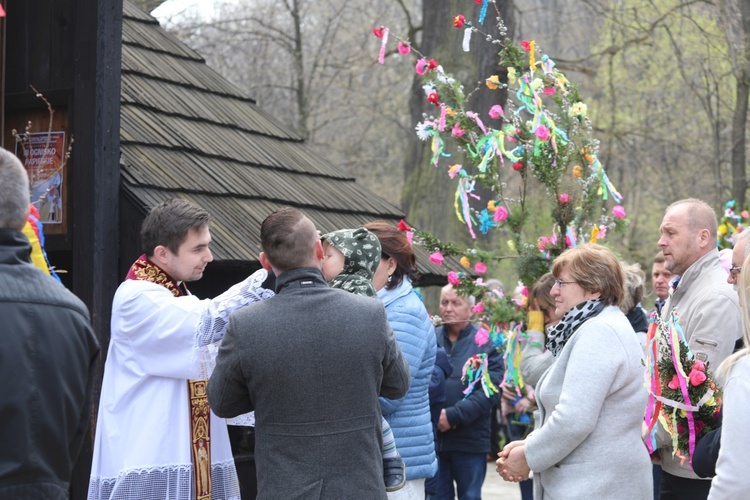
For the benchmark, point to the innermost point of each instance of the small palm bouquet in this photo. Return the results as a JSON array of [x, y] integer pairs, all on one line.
[[683, 396]]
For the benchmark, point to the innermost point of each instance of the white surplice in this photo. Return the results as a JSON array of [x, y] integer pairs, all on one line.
[[142, 448]]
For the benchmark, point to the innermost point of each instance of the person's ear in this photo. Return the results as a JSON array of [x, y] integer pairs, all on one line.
[[265, 262], [160, 254], [319, 253]]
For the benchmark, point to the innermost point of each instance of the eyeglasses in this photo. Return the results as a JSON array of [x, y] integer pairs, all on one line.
[[560, 283], [734, 271]]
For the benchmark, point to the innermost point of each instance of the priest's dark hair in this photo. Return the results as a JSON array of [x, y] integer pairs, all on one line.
[[169, 223]]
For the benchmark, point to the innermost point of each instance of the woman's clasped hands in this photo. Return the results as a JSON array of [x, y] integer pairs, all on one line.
[[512, 464]]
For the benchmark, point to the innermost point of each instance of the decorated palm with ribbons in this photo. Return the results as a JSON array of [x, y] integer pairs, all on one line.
[[683, 397], [541, 134]]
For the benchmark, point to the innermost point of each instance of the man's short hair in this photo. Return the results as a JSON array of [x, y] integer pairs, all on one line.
[[596, 269], [288, 238], [168, 224], [659, 257], [700, 216], [14, 191]]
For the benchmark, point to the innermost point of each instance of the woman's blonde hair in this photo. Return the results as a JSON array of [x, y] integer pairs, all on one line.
[[744, 289], [596, 269]]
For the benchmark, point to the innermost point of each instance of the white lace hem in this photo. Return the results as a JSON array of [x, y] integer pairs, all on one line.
[[169, 482]]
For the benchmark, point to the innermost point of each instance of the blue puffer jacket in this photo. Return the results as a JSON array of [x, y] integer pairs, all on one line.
[[409, 416]]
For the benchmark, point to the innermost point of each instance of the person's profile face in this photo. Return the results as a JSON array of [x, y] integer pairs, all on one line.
[[333, 261]]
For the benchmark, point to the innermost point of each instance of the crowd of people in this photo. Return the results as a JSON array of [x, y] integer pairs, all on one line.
[[329, 354]]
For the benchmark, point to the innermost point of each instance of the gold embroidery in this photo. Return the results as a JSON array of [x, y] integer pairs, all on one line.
[[146, 271], [200, 425]]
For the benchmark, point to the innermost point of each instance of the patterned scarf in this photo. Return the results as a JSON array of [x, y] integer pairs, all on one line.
[[144, 269], [361, 251], [559, 334]]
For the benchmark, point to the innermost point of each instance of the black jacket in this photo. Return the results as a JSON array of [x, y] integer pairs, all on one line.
[[47, 358], [470, 415]]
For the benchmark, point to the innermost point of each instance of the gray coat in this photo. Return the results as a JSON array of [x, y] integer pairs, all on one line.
[[587, 441], [311, 362]]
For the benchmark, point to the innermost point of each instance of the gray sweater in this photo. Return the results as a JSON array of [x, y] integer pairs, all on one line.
[[587, 442]]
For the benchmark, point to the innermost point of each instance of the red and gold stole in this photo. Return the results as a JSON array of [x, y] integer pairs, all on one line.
[[200, 420]]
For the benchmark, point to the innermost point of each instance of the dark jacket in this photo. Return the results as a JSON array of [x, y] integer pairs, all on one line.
[[440, 372], [471, 416], [47, 360], [311, 362]]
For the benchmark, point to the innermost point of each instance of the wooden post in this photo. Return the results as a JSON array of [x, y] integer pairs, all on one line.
[[95, 180]]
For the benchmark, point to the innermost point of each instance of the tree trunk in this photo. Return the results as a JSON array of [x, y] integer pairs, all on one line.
[[739, 122], [428, 193]]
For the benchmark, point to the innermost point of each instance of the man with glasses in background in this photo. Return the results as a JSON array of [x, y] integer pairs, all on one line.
[[708, 312]]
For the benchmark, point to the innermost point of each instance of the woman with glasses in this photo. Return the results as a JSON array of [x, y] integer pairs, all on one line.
[[587, 442]]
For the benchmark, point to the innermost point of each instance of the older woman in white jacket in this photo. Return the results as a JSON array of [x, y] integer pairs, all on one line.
[[587, 441], [732, 479]]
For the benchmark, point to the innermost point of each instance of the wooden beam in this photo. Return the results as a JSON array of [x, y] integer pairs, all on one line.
[[95, 180]]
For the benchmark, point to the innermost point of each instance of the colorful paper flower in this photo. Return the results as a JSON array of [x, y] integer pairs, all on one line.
[[403, 226], [432, 64], [542, 132], [457, 131], [697, 377], [465, 261], [699, 365], [480, 267], [578, 109], [454, 170], [378, 32], [453, 278], [563, 198], [421, 67], [618, 212], [481, 337], [478, 308], [496, 112], [512, 75], [492, 82], [404, 48], [459, 21], [518, 166], [437, 258], [526, 45], [577, 172], [434, 98], [674, 384], [501, 214], [549, 90]]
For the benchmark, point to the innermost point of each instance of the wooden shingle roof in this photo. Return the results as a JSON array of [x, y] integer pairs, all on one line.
[[186, 131]]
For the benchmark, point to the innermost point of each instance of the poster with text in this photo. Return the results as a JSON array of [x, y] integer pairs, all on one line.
[[43, 155]]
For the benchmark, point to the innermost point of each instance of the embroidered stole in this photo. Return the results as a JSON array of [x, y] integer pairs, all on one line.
[[200, 417]]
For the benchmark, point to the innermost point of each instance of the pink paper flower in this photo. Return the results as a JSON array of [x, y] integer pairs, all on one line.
[[699, 365], [404, 48], [421, 67], [437, 258], [453, 278], [459, 21], [453, 170], [674, 384], [697, 377], [526, 45], [602, 232], [542, 133], [496, 112], [745, 214], [481, 337], [564, 198], [518, 166], [500, 214], [478, 308], [480, 268], [549, 90], [618, 212], [457, 131]]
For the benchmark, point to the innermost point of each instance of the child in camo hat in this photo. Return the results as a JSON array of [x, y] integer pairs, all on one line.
[[351, 258]]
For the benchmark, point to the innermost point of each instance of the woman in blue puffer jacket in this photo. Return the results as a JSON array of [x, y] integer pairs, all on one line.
[[409, 416]]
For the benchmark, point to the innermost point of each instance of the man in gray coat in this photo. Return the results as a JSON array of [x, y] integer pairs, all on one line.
[[708, 312], [311, 362]]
